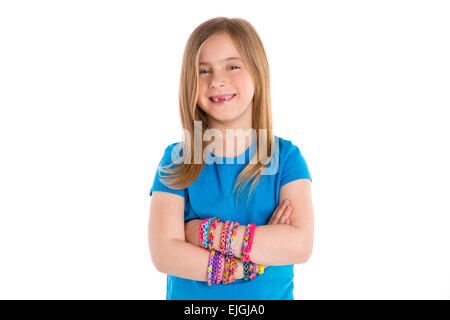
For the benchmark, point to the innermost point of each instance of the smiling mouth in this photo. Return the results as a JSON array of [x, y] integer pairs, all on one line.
[[222, 99]]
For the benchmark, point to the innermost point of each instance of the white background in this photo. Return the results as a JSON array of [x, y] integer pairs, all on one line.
[[89, 101]]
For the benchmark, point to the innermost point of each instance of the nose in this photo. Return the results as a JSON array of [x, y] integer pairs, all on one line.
[[217, 79], [216, 83]]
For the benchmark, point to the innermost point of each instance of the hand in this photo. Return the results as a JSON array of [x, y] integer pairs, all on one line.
[[282, 214]]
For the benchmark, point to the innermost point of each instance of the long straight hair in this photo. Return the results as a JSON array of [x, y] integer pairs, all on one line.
[[251, 48]]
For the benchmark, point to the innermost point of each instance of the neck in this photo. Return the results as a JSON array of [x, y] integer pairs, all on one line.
[[234, 140]]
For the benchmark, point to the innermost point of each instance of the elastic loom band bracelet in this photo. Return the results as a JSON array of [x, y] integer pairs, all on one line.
[[253, 271], [219, 268], [212, 230], [252, 236], [223, 237], [260, 269], [228, 240], [200, 230], [226, 270], [205, 232], [210, 268], [246, 270], [233, 267], [247, 242], [233, 237], [214, 271]]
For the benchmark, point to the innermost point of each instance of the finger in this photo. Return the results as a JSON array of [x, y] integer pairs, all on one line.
[[280, 212], [274, 214], [288, 211], [286, 215]]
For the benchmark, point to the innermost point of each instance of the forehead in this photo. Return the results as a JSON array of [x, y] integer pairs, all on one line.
[[219, 49]]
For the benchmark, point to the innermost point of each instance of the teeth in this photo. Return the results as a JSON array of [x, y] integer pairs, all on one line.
[[221, 99]]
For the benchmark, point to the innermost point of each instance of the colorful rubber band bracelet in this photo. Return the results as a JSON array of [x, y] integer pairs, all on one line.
[[223, 237], [205, 232], [228, 240], [247, 243], [220, 265], [210, 268], [233, 238], [212, 230]]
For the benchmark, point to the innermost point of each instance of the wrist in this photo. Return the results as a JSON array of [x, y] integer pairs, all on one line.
[[240, 269]]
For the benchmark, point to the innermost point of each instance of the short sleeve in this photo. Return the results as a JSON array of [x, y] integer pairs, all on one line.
[[295, 166], [158, 185]]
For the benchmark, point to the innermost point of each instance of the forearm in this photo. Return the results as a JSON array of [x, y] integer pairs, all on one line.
[[188, 261], [273, 245]]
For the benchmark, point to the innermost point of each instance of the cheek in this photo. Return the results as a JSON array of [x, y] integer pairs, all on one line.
[[202, 89], [245, 85]]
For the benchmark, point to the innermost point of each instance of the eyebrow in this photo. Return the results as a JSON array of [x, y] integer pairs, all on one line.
[[226, 59]]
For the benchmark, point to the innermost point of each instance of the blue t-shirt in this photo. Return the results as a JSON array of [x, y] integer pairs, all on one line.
[[210, 196]]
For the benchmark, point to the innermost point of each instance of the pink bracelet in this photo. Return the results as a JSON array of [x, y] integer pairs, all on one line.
[[200, 230], [247, 243]]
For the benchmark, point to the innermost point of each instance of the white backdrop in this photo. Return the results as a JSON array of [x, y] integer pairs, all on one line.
[[89, 101]]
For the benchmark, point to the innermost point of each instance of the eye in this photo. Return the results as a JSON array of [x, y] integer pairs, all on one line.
[[201, 71]]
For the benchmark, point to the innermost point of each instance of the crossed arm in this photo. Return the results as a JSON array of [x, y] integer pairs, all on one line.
[[175, 247], [272, 244]]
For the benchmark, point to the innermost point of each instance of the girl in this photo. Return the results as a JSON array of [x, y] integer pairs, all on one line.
[[210, 243]]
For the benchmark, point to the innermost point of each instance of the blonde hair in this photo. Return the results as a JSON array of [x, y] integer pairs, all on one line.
[[251, 48]]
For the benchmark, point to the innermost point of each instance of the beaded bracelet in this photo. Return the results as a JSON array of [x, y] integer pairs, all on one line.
[[247, 243]]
